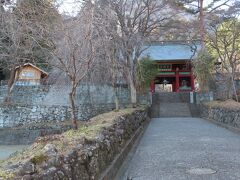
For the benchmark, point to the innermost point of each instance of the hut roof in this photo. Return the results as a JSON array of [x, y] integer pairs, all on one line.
[[35, 67]]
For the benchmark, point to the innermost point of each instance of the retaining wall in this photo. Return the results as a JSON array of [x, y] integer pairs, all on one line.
[[43, 104], [225, 114], [52, 95], [89, 159], [18, 115]]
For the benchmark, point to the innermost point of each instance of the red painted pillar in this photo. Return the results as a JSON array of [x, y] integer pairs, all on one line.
[[174, 86], [152, 86], [177, 80], [192, 82]]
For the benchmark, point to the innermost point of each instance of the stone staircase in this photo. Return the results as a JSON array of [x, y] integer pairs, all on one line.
[[172, 105]]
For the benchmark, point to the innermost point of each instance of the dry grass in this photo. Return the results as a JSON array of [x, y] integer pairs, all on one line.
[[6, 175], [71, 138], [229, 104]]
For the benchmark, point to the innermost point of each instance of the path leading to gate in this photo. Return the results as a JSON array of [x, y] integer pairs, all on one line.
[[184, 149]]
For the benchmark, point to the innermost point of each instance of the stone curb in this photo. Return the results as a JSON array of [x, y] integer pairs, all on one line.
[[112, 170], [231, 128]]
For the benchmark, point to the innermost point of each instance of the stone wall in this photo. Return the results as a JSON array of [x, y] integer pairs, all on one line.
[[86, 93], [221, 86], [29, 94], [25, 94], [200, 97], [43, 104], [51, 95], [88, 159], [225, 113], [18, 115], [3, 93]]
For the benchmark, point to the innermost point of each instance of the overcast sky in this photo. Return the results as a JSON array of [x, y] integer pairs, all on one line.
[[70, 7]]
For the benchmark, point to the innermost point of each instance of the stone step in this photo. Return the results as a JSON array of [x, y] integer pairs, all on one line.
[[172, 105], [171, 97], [174, 110], [171, 110]]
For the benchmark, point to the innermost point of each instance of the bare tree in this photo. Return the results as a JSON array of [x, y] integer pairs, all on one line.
[[113, 70], [75, 50], [224, 43], [24, 30], [107, 26], [137, 21], [206, 11]]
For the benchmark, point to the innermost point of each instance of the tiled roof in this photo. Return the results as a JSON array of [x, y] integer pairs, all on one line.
[[166, 51]]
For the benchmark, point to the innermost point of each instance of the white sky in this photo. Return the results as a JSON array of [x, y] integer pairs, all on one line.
[[71, 7]]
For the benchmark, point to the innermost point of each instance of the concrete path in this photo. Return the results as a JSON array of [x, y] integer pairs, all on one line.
[[184, 149]]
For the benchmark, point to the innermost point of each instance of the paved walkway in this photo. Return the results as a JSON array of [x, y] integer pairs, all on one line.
[[172, 147]]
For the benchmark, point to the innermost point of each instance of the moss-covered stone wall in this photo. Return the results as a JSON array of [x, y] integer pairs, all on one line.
[[226, 112], [83, 154]]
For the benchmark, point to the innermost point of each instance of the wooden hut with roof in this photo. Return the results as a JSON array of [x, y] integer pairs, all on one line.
[[29, 75]]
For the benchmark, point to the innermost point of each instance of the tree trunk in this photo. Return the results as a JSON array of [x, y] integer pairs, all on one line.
[[202, 26], [234, 87], [11, 83], [230, 90], [133, 91], [116, 99], [72, 96]]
